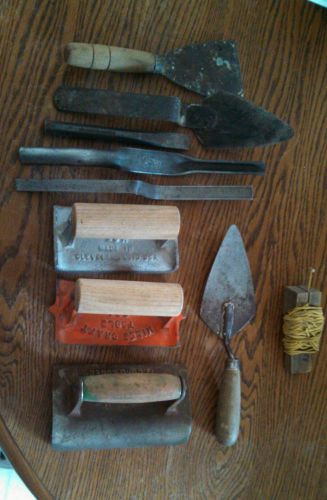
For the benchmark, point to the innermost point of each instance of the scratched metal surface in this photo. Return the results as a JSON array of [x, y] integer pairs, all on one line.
[[73, 255], [203, 68]]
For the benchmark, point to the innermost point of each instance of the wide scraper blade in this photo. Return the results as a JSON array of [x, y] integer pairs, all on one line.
[[204, 68], [229, 280]]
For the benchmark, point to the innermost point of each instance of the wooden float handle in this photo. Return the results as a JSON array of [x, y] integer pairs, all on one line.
[[131, 388], [133, 222], [136, 298], [103, 57]]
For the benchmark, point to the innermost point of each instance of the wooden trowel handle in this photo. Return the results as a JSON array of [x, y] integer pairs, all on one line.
[[229, 404], [131, 388], [135, 298], [94, 56], [133, 222]]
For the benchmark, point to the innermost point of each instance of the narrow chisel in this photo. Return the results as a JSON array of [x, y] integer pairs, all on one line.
[[165, 140]]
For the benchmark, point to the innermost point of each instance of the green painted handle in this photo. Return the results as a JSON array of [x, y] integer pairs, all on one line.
[[229, 404]]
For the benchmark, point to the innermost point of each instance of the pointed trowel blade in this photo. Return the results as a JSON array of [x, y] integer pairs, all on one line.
[[229, 280], [238, 123]]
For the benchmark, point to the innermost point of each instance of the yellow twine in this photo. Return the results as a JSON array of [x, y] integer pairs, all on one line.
[[302, 330]]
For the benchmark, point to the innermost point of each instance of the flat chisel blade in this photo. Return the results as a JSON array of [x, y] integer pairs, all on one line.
[[145, 189]]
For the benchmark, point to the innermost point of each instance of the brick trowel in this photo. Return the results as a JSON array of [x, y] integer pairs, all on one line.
[[228, 305]]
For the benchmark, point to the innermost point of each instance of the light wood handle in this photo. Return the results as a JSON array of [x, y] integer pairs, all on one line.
[[131, 388], [94, 56], [137, 298], [229, 405], [135, 222]]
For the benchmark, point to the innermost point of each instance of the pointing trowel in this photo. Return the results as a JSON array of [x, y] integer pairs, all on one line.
[[228, 305], [221, 120], [204, 68]]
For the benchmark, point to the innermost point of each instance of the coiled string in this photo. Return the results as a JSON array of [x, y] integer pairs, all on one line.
[[302, 328]]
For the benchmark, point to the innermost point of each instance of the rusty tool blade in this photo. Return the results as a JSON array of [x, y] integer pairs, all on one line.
[[138, 161], [222, 120], [229, 280], [139, 188], [203, 68]]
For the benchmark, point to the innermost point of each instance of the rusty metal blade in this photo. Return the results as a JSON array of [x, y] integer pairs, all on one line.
[[204, 68], [233, 121], [229, 280], [222, 120]]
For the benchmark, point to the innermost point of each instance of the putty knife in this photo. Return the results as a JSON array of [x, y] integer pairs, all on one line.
[[222, 120], [204, 68], [228, 305]]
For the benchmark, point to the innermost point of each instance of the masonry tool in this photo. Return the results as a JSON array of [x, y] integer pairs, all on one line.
[[204, 68], [119, 406], [222, 120], [303, 324], [166, 140], [116, 312], [138, 161], [228, 305], [103, 237], [139, 188]]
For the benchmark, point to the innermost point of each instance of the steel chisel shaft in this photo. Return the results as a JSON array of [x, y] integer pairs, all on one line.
[[145, 189]]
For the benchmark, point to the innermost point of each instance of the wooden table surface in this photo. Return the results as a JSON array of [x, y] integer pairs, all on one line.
[[283, 52]]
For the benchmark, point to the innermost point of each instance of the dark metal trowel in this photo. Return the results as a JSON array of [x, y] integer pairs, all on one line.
[[228, 305], [222, 120], [204, 68]]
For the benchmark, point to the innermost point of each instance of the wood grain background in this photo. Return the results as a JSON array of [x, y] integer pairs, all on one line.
[[282, 446]]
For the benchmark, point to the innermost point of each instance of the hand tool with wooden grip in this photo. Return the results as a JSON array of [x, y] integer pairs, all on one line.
[[137, 298], [204, 68], [138, 161], [106, 237], [120, 406], [228, 305], [165, 140], [139, 188], [219, 121], [116, 312]]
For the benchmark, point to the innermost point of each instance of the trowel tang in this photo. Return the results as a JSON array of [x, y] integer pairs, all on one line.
[[106, 237], [96, 407]]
